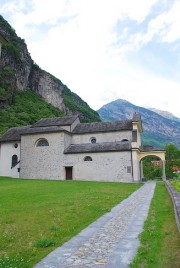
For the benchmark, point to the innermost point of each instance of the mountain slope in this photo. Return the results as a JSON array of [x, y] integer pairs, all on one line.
[[157, 130], [165, 114], [18, 72], [27, 108]]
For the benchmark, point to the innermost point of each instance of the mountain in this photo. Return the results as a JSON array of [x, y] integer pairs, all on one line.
[[28, 93], [165, 114], [157, 130]]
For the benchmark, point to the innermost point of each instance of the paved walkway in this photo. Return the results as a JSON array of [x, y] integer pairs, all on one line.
[[109, 242]]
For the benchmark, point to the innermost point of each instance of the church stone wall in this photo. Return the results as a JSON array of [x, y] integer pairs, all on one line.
[[111, 166], [49, 162], [44, 162]]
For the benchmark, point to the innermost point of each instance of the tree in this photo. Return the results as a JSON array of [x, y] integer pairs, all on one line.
[[172, 159], [149, 170]]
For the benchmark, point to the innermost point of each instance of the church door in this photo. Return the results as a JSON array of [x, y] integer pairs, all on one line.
[[68, 173]]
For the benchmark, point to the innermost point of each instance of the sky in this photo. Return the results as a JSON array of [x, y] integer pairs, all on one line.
[[105, 50]]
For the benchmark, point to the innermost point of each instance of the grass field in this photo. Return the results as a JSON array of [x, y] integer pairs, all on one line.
[[160, 241], [176, 184], [37, 216]]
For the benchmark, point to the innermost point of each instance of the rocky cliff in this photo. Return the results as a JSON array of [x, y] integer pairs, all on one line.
[[157, 129], [18, 72]]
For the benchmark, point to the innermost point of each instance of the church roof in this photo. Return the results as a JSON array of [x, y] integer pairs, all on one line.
[[14, 134], [48, 125], [103, 126], [33, 130], [57, 121], [98, 147]]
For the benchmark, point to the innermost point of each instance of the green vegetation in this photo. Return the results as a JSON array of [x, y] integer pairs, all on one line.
[[176, 184], [6, 81], [27, 108], [151, 172], [76, 104], [172, 160], [14, 43], [38, 215], [14, 48], [5, 25], [172, 164], [150, 140], [44, 243], [160, 240]]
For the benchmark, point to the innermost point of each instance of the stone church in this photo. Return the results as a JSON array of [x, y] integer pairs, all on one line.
[[65, 149]]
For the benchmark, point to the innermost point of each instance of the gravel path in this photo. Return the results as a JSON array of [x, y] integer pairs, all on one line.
[[109, 242]]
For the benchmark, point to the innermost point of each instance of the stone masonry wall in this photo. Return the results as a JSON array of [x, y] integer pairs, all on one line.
[[110, 167], [44, 162]]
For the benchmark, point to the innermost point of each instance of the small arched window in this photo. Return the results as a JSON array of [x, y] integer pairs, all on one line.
[[15, 145], [124, 140], [42, 142], [93, 140], [87, 158], [14, 160]]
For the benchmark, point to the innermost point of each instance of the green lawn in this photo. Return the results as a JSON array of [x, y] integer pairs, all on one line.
[[176, 184], [37, 216], [160, 241]]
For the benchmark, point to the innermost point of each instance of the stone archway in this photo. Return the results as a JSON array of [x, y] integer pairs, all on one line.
[[151, 167], [139, 153], [159, 155]]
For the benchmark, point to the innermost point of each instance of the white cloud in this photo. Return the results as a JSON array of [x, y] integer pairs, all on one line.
[[167, 25]]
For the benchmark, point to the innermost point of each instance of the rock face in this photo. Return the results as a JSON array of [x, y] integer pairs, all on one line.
[[155, 126], [45, 85], [25, 74]]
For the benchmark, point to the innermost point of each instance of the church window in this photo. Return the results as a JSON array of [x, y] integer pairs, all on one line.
[[14, 160], [87, 158], [42, 142], [93, 140], [15, 145]]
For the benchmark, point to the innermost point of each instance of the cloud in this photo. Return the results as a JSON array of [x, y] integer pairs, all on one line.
[[166, 25]]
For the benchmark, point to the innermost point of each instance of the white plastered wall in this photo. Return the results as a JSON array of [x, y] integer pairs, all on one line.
[[102, 137], [138, 143], [136, 167], [6, 153]]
